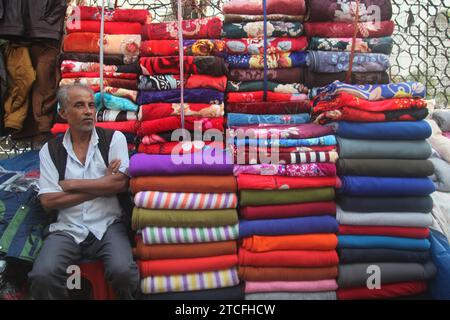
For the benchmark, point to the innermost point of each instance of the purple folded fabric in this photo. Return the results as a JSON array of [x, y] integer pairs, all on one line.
[[291, 286], [210, 96], [209, 162]]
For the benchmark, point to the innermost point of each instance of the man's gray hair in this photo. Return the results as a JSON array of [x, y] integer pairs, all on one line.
[[63, 93]]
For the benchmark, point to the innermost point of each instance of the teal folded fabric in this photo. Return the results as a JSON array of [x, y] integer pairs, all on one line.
[[383, 242], [114, 103]]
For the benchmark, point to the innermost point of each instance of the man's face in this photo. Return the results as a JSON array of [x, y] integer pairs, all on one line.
[[80, 110]]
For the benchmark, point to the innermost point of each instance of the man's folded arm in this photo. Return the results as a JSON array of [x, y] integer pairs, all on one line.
[[63, 200]]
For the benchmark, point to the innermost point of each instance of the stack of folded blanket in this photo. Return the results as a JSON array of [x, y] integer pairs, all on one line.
[[286, 57], [384, 202], [330, 30], [187, 225], [117, 108], [286, 177], [159, 83]]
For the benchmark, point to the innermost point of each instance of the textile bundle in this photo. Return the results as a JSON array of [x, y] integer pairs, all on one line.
[[383, 169], [117, 105], [330, 31]]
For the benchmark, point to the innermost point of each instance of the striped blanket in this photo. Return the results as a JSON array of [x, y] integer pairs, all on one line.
[[178, 200], [155, 235], [190, 281]]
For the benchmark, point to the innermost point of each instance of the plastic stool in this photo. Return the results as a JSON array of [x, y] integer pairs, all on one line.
[[94, 272]]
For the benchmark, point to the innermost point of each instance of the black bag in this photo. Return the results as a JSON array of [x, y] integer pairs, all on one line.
[[59, 157]]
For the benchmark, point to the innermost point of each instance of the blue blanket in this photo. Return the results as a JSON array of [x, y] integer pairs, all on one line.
[[302, 225], [114, 103], [396, 130], [386, 186], [383, 243], [241, 119], [320, 141]]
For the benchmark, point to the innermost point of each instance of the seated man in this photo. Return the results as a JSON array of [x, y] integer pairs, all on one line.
[[89, 216]]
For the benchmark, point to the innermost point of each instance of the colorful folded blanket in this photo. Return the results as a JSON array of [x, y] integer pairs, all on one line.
[[115, 116], [385, 255], [317, 208], [333, 62], [377, 91], [346, 29], [71, 66], [284, 75], [288, 226], [295, 296], [119, 15], [288, 258], [238, 86], [290, 242], [390, 231], [269, 107], [162, 110], [288, 170], [383, 242], [274, 60], [256, 29], [362, 45], [213, 66], [174, 122], [86, 42], [182, 266], [188, 201], [281, 131], [174, 96], [255, 46], [114, 103], [287, 274], [241, 119], [395, 130], [170, 82], [385, 168], [191, 47], [252, 182], [204, 28], [342, 11], [394, 219], [391, 204], [358, 115], [236, 18], [274, 142], [110, 27], [394, 290], [185, 183], [296, 7], [291, 286], [212, 163], [294, 157], [95, 82], [114, 75], [320, 79], [179, 148], [258, 96], [183, 251], [124, 126], [156, 235], [190, 281]]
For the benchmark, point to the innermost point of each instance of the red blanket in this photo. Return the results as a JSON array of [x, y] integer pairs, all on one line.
[[288, 258], [205, 28], [172, 123], [395, 290], [255, 182], [288, 107], [181, 266], [125, 126], [171, 147], [245, 7], [213, 66], [257, 96], [119, 15], [162, 110], [115, 75], [357, 115], [289, 210], [407, 232], [110, 27], [95, 82], [344, 99], [199, 47], [346, 30]]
